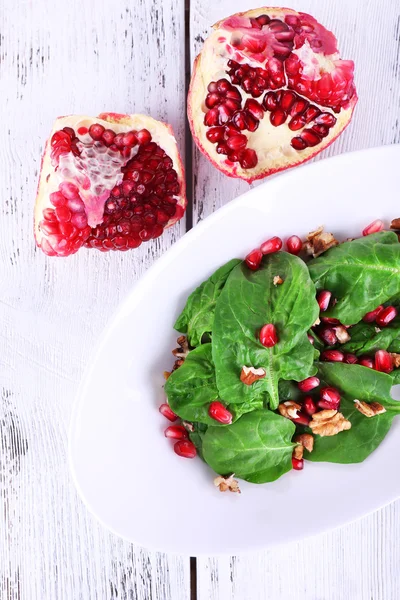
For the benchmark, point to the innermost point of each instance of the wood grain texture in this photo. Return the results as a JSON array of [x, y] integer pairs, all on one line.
[[360, 561], [59, 58]]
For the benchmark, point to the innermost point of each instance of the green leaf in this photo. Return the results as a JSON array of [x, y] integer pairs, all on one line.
[[257, 448], [248, 301], [365, 339], [192, 387], [197, 435], [197, 317], [360, 274], [366, 433]]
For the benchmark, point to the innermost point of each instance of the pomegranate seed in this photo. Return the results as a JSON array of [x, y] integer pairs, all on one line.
[[308, 384], [129, 139], [249, 159], [278, 117], [350, 359], [270, 101], [309, 406], [298, 463], [176, 432], [383, 361], [96, 131], [323, 299], [332, 355], [302, 419], [272, 245], [143, 136], [221, 414], [268, 335], [328, 336], [185, 448], [386, 316], [298, 143], [253, 259], [294, 244], [254, 108], [237, 142], [326, 119], [329, 398], [330, 321], [108, 137], [310, 137], [167, 412], [310, 339], [366, 362], [374, 227], [215, 134], [371, 316]]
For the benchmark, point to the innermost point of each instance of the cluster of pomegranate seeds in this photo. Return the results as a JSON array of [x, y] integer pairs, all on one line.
[[218, 412], [268, 335], [183, 446], [63, 141], [254, 80], [253, 259]]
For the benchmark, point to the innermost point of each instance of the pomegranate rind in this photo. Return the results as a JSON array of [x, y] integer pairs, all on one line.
[[162, 134], [272, 144]]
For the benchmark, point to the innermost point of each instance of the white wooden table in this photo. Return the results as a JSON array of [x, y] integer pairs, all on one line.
[[86, 56]]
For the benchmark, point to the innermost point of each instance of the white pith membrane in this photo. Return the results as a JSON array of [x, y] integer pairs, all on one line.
[[98, 168], [271, 143]]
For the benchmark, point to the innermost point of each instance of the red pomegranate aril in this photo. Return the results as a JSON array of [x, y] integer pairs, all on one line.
[[108, 137], [332, 356], [278, 117], [249, 159], [253, 259], [374, 227], [222, 148], [298, 107], [96, 131], [185, 448], [49, 214], [365, 361], [268, 335], [143, 136], [308, 384], [328, 336], [254, 108], [310, 113], [270, 101], [218, 412], [298, 143], [129, 139], [311, 339], [310, 137], [383, 361], [297, 463], [386, 316], [176, 432], [287, 100], [350, 359], [323, 299], [237, 142], [63, 213], [326, 119], [309, 406], [330, 320], [370, 317], [294, 244], [272, 245], [215, 134], [329, 399], [296, 123], [167, 412]]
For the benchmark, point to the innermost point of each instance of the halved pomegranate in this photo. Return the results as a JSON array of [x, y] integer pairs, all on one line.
[[268, 91], [109, 183]]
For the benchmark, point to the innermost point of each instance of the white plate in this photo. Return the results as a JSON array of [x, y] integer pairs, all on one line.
[[124, 468]]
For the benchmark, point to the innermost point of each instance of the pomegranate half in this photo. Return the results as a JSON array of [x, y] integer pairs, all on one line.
[[109, 183], [268, 91]]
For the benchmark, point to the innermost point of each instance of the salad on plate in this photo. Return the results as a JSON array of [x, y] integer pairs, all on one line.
[[289, 356]]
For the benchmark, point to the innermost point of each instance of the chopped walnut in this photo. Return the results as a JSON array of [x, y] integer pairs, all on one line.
[[396, 359], [317, 322], [329, 422], [377, 330], [298, 452], [188, 426], [289, 409], [369, 409], [395, 224], [342, 334], [319, 241], [183, 347], [167, 374], [278, 280], [227, 483], [249, 375], [306, 440]]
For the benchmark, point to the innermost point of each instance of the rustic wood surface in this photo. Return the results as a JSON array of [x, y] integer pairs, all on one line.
[[86, 57], [360, 561]]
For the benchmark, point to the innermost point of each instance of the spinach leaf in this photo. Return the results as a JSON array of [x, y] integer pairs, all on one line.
[[192, 387], [248, 301], [360, 274], [197, 435], [365, 435], [366, 340], [257, 448], [197, 317], [395, 375]]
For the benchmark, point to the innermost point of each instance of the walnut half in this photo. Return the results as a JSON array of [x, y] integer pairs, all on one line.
[[369, 409], [328, 423], [249, 375], [227, 483]]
